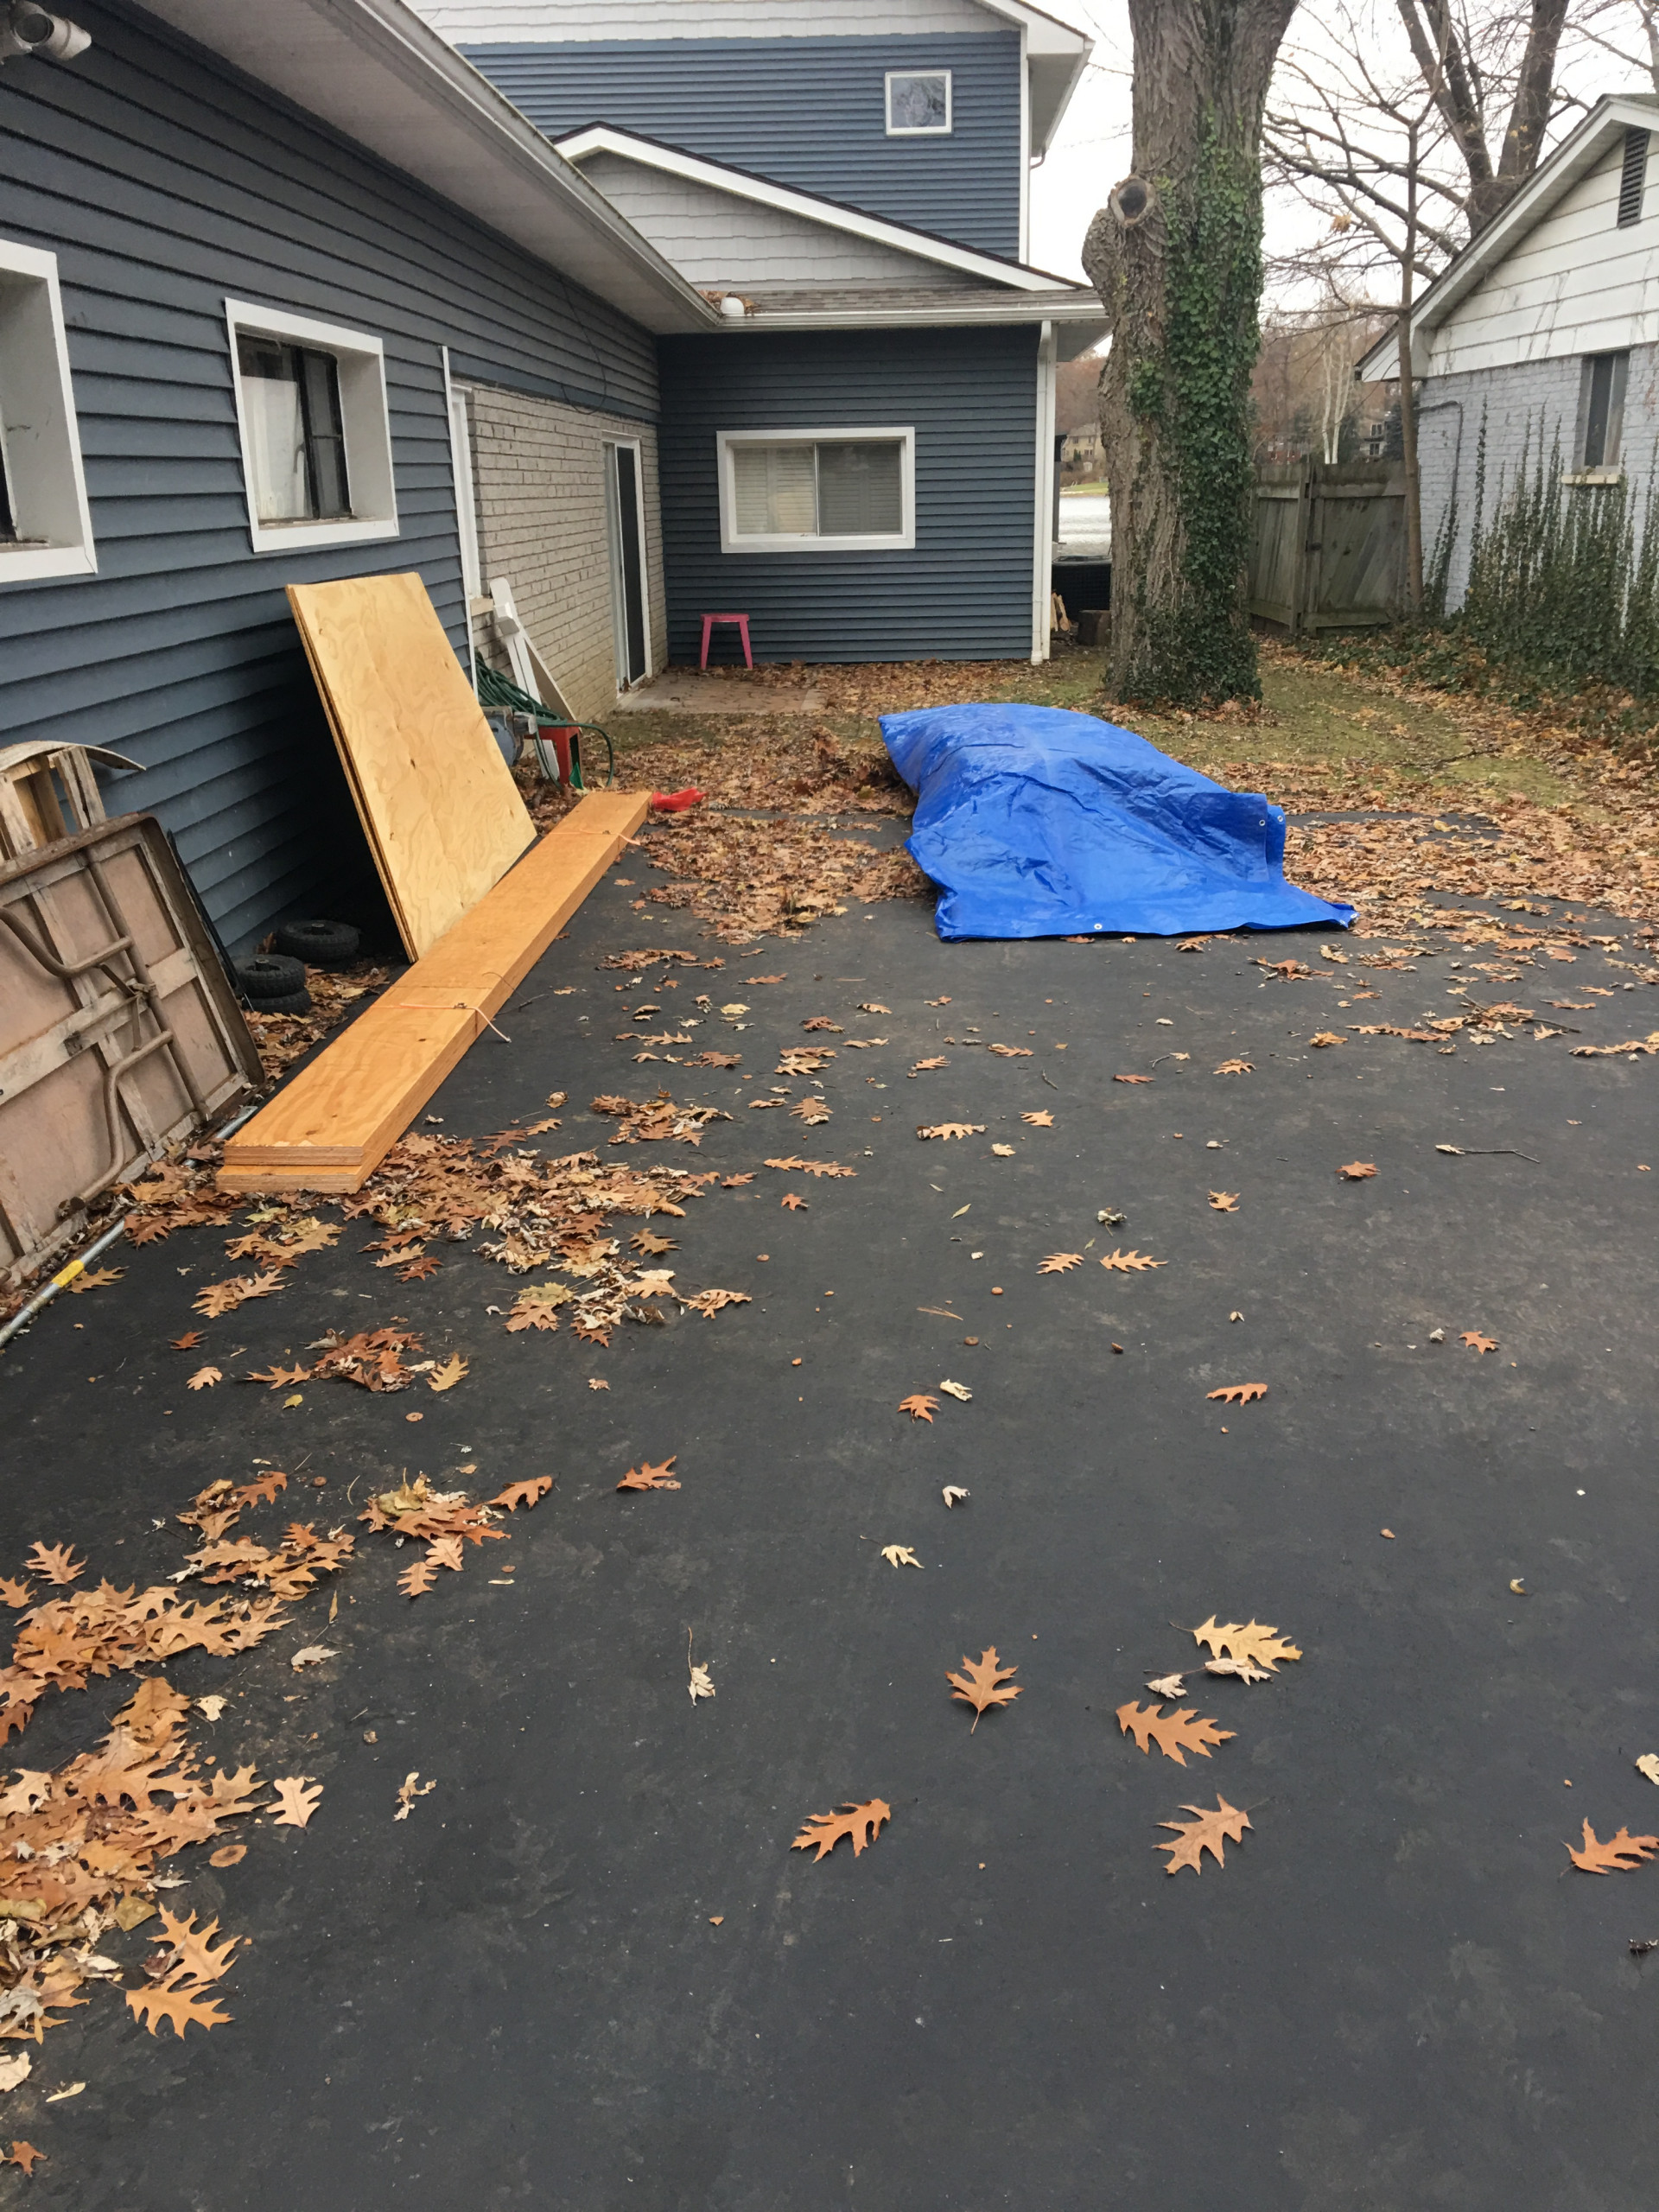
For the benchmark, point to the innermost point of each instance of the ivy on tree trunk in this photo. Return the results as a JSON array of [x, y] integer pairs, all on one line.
[[1176, 257]]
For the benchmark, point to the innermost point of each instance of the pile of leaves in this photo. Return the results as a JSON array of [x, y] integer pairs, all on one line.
[[284, 1038]]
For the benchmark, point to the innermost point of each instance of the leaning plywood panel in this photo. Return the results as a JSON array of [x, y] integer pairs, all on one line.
[[331, 1127], [442, 814]]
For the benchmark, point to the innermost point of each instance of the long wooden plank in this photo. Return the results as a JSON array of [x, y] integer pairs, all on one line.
[[442, 815], [333, 1125]]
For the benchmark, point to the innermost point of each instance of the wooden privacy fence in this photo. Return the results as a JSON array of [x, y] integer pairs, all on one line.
[[1328, 545]]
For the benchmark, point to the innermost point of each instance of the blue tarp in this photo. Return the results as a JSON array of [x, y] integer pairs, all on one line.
[[1035, 822]]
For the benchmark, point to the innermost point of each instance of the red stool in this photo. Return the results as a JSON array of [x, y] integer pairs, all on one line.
[[742, 622]]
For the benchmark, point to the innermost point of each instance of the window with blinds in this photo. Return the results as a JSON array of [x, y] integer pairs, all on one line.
[[801, 491]]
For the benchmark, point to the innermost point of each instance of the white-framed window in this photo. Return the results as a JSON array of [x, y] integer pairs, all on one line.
[[316, 438], [836, 490], [919, 103], [1602, 378], [45, 527]]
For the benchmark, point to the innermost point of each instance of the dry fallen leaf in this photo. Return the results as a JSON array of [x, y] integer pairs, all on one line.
[[860, 1824], [900, 1555], [228, 1854], [1133, 1078], [980, 1683], [1129, 1263], [1236, 1067], [1327, 1037], [56, 1564], [794, 1201], [1355, 1171], [407, 1793], [26, 2156], [1241, 1667], [1224, 1201], [1168, 1686], [204, 1378], [15, 2069], [1252, 1640], [646, 1476], [525, 1493], [1205, 1832], [187, 1342], [1037, 1121], [1618, 1853], [938, 1061], [69, 2090], [446, 1377], [1174, 1733], [1003, 1151], [918, 1406], [953, 1495], [299, 1798], [1057, 1263], [1239, 1393], [1649, 1764], [313, 1654], [596, 1382], [15, 1594], [98, 1279], [949, 1130], [1474, 1338], [957, 1390], [213, 1706]]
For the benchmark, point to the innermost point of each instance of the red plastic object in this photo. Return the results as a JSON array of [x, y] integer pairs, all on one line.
[[559, 734], [742, 622], [677, 802]]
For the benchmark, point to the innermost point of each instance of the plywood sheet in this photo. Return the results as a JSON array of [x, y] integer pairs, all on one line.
[[332, 1126], [442, 815]]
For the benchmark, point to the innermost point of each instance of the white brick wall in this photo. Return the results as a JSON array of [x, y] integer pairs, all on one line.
[[539, 488]]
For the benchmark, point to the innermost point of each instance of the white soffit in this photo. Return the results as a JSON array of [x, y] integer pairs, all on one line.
[[601, 138], [375, 73]]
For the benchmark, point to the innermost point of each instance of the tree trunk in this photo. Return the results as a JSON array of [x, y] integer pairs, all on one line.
[[1176, 257]]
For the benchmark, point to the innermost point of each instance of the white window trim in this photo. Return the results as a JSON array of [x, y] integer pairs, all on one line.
[[618, 606], [364, 418], [902, 540], [917, 130], [43, 456]]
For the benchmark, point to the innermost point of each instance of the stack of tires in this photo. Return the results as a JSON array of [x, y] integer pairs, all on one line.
[[274, 982]]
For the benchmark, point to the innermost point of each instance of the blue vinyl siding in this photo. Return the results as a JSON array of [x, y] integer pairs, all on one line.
[[963, 592], [165, 182], [809, 112]]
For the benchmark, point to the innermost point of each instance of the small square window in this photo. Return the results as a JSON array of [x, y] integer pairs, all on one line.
[[45, 526], [316, 441], [817, 491], [919, 103]]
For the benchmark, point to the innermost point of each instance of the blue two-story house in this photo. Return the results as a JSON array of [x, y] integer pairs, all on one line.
[[650, 312]]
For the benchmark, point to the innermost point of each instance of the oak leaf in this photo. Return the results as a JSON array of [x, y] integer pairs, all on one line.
[[948, 1129], [187, 1342], [198, 1958], [56, 1564], [1476, 1342], [205, 1378], [1168, 1686], [1253, 1640], [1012, 1052], [98, 1278], [1174, 1733], [872, 1006], [418, 1577], [794, 1201], [1327, 1037], [900, 1555], [646, 1476], [700, 1683], [279, 1378], [446, 1551], [1355, 1171], [980, 1683], [446, 1377], [1037, 1121], [957, 1390], [15, 1594], [653, 1247], [937, 1061], [710, 1302], [179, 2006], [1241, 1667], [524, 1493], [1223, 1201], [26, 2156], [217, 1298], [1133, 1078], [1649, 1764], [311, 1654], [408, 1792], [1236, 1067], [1003, 1151], [918, 1406], [953, 1495], [1132, 1262], [1239, 1393], [1057, 1263], [860, 1824], [801, 1167], [1618, 1853], [299, 1798], [1205, 1832]]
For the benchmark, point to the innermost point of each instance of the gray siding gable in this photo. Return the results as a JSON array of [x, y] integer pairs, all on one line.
[[809, 112], [963, 592], [164, 182]]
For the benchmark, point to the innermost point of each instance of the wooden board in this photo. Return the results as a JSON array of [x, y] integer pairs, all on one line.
[[334, 1124], [442, 815]]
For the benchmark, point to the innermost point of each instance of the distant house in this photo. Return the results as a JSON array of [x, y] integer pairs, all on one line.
[[1082, 451], [290, 291], [1543, 334]]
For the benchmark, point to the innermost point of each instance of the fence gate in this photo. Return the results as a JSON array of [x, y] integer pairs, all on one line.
[[1328, 545]]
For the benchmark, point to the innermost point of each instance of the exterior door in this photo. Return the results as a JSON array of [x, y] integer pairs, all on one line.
[[624, 493]]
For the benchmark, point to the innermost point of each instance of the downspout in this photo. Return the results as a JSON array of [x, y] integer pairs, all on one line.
[[1042, 576]]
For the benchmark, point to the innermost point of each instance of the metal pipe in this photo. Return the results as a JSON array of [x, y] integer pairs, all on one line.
[[64, 1277], [237, 1120]]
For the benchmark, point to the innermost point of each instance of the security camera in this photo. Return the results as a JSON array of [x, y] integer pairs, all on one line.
[[29, 29]]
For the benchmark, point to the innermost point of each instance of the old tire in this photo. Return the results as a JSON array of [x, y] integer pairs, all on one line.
[[289, 1002], [265, 975], [318, 944]]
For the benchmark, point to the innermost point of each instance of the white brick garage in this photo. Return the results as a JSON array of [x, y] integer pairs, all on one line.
[[540, 495]]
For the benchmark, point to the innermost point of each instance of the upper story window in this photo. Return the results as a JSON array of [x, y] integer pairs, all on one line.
[[1601, 410], [1632, 178], [316, 441], [919, 103], [817, 491], [45, 527]]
